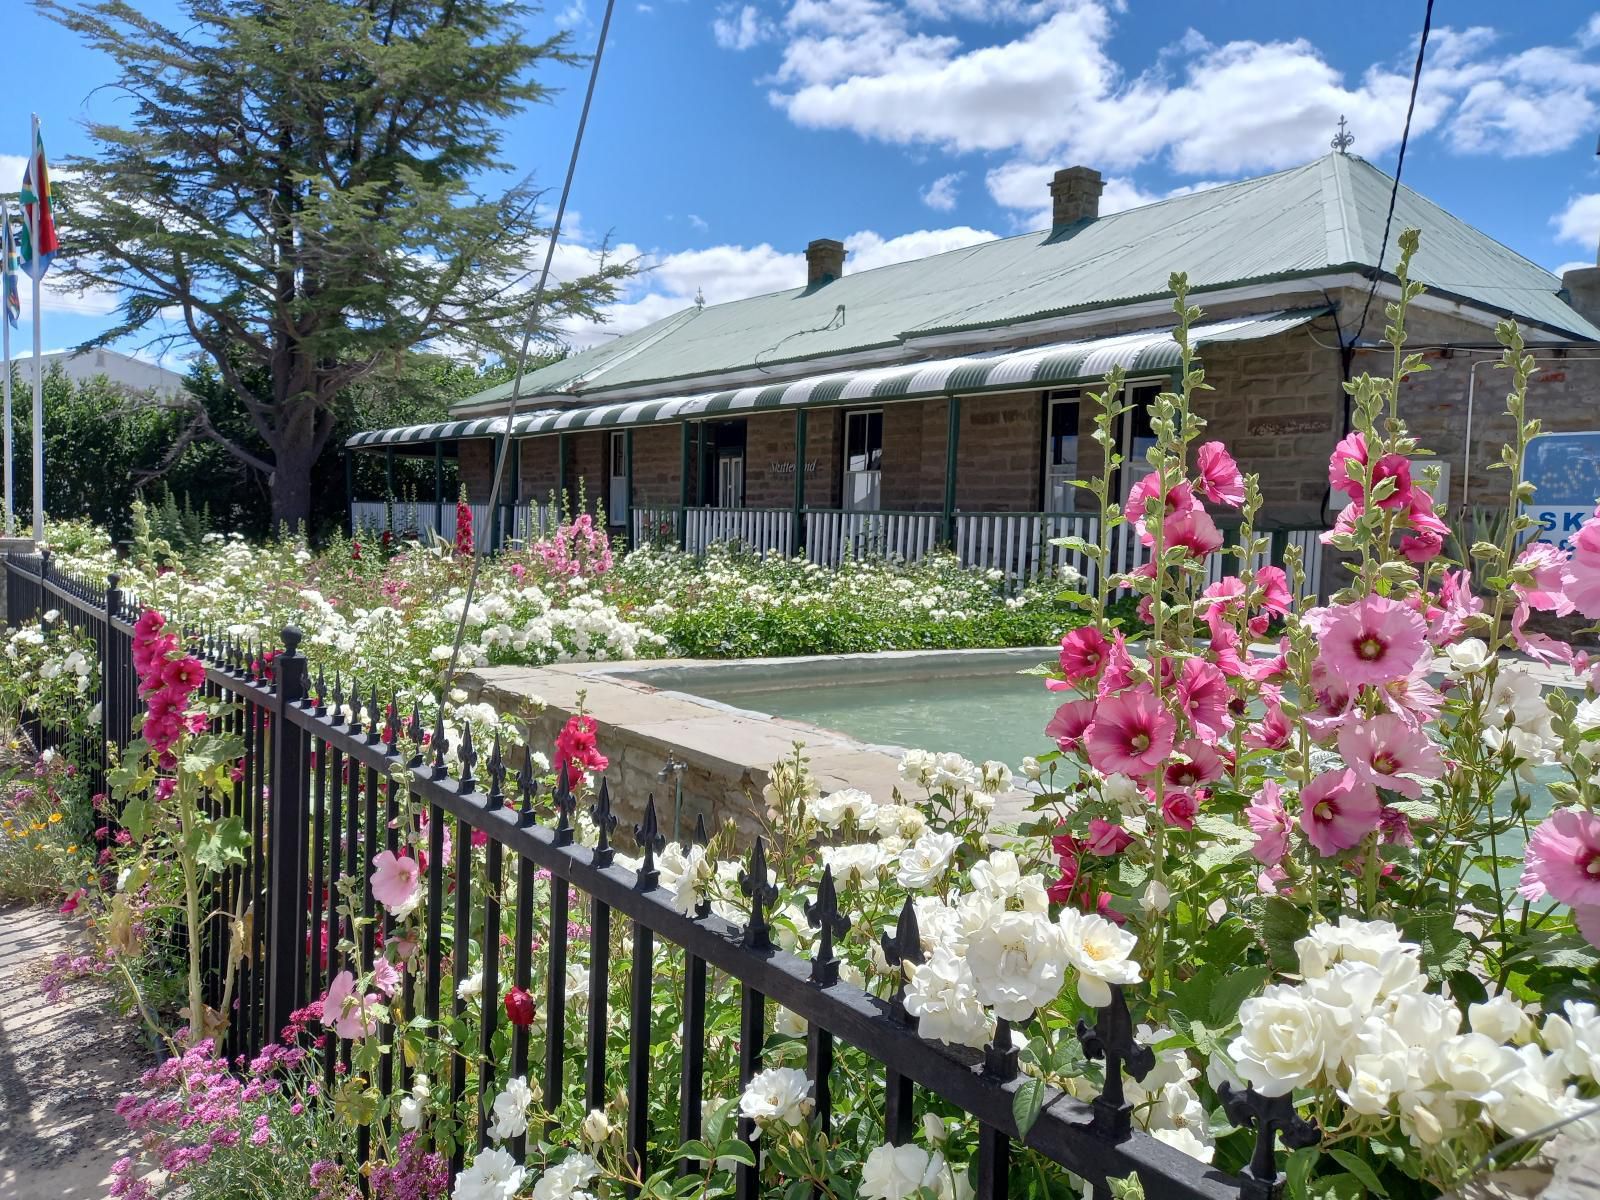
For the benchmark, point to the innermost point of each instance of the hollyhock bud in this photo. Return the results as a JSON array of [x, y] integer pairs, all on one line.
[[520, 1008]]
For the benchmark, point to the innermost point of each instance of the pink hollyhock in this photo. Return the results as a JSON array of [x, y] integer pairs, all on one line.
[[1270, 820], [1275, 597], [1582, 576], [1198, 763], [1204, 694], [1227, 598], [463, 526], [1068, 725], [1194, 530], [1179, 499], [1395, 827], [1353, 449], [1547, 564], [1413, 699], [1271, 732], [1375, 640], [1118, 674], [1456, 603], [386, 977], [1179, 808], [1131, 734], [184, 674], [70, 904], [395, 879], [1384, 749], [1220, 480], [1107, 838], [1337, 810], [1398, 468], [1426, 539], [1563, 859], [352, 1017], [1083, 653], [577, 748]]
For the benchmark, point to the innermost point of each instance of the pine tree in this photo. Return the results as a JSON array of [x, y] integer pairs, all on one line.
[[300, 183]]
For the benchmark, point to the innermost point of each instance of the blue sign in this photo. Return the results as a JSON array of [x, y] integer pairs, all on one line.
[[1564, 469]]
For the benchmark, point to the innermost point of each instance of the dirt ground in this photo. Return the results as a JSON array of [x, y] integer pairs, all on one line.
[[62, 1067]]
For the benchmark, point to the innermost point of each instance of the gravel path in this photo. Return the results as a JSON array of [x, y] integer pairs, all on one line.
[[62, 1067]]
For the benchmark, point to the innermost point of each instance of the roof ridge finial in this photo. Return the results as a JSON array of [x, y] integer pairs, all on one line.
[[1344, 139]]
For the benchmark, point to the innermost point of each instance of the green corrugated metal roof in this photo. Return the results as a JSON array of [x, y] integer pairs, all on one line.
[[1140, 352], [1306, 221]]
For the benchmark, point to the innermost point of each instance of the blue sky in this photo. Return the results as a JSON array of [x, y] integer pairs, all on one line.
[[727, 135]]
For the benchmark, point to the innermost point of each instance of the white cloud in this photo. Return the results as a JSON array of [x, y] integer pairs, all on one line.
[[1579, 221], [669, 282], [941, 193], [699, 222], [1575, 265], [1050, 91], [739, 28], [574, 14]]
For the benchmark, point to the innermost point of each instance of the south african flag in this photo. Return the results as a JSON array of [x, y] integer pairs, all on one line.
[[39, 241]]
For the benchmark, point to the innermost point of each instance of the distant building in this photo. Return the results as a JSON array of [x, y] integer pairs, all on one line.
[[137, 376], [938, 401]]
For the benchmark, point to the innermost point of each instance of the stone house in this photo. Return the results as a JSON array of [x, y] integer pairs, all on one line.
[[941, 401]]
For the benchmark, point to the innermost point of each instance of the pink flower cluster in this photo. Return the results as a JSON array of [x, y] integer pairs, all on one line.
[[416, 1173], [168, 680], [1392, 483], [577, 549], [191, 1106], [578, 750], [463, 526]]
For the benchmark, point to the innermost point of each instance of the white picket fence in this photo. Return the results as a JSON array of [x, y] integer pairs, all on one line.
[[832, 536], [1019, 545]]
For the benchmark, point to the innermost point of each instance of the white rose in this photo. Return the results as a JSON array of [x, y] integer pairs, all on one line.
[[1374, 1080], [899, 1172], [568, 1179], [831, 810], [493, 1175], [471, 987], [1185, 1139], [924, 861], [1423, 1019], [1350, 940], [511, 1110], [780, 1095], [1124, 793], [1018, 964], [1587, 716], [942, 995], [1575, 1036], [1473, 1066], [1032, 769], [996, 777], [1534, 1096], [1156, 899], [1101, 952], [1280, 1045], [933, 1128], [1500, 1018], [595, 1128], [1467, 656]]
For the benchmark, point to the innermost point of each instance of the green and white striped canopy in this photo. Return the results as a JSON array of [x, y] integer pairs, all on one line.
[[1061, 363]]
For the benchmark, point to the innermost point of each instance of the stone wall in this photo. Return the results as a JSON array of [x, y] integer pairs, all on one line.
[[540, 474], [657, 464]]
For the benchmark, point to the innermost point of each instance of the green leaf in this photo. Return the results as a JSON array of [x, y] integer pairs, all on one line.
[[739, 1151], [1232, 990], [1360, 1169], [1027, 1104], [224, 844], [1282, 925], [135, 818], [1445, 949]]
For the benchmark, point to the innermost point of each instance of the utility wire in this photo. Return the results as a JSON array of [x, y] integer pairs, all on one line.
[[1399, 165], [509, 447]]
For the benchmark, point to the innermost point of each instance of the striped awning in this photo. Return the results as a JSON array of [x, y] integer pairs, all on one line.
[[1148, 350]]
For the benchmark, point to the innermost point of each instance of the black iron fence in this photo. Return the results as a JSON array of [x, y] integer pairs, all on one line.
[[321, 784]]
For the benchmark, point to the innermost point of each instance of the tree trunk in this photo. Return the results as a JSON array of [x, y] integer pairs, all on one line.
[[293, 457]]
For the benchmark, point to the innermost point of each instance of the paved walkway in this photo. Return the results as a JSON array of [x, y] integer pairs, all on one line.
[[62, 1067]]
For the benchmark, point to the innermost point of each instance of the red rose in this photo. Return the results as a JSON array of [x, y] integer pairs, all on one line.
[[519, 1007]]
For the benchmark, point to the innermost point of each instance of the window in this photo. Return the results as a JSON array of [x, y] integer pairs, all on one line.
[[617, 493], [1137, 436], [863, 460], [722, 463], [1061, 453]]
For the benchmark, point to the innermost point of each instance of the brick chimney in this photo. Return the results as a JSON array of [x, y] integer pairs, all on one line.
[[1075, 195], [824, 261]]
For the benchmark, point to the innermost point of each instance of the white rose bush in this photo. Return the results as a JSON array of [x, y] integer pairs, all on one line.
[[1325, 870]]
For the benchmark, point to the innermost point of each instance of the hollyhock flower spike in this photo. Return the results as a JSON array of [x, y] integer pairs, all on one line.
[[1083, 653]]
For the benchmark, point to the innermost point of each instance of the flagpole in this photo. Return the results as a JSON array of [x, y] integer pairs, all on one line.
[[38, 419], [11, 474]]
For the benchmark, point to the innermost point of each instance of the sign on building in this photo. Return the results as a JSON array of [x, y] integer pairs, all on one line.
[[1564, 469]]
